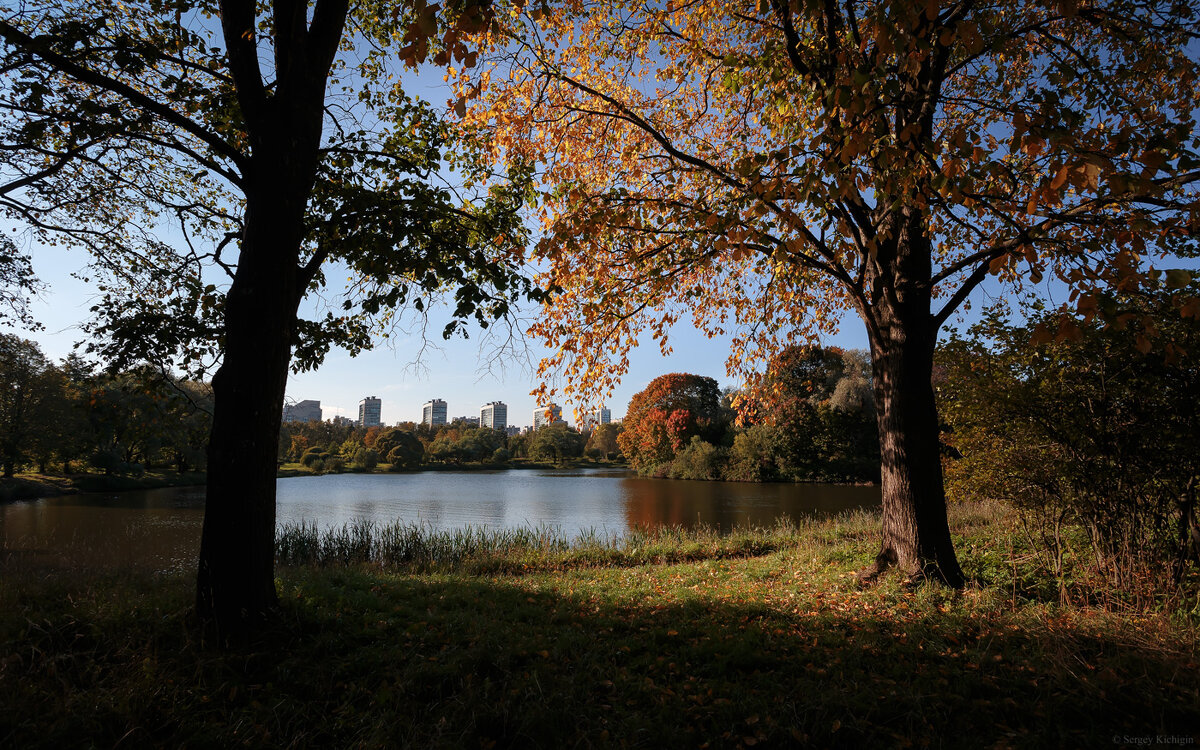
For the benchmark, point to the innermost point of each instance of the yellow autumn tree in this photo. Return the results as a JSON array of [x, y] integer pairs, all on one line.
[[759, 169]]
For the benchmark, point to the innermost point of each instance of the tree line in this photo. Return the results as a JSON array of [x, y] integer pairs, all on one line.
[[329, 447], [68, 415], [810, 417]]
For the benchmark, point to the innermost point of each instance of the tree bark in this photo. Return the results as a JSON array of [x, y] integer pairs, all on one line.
[[235, 584], [903, 335]]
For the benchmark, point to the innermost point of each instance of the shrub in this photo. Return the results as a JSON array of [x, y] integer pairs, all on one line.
[[1096, 434], [755, 455], [698, 460]]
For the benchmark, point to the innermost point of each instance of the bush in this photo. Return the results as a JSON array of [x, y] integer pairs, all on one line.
[[311, 456], [698, 460], [1096, 434], [365, 459], [755, 455]]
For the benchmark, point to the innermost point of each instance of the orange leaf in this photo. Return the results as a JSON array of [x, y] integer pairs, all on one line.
[[1060, 178]]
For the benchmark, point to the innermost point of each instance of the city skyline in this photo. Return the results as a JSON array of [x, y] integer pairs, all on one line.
[[493, 414]]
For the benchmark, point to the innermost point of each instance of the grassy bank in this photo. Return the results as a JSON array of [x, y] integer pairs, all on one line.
[[666, 639], [30, 486], [296, 469]]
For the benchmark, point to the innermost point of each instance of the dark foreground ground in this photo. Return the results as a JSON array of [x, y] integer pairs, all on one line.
[[671, 639]]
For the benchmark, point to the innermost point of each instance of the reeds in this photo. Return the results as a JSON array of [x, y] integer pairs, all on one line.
[[423, 548]]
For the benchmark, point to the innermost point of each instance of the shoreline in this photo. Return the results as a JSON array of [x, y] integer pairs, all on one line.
[[36, 486]]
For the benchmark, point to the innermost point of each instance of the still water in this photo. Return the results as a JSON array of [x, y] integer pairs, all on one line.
[[161, 528]]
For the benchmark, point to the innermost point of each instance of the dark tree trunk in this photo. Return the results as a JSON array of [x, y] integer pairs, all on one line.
[[903, 333], [235, 585], [8, 469]]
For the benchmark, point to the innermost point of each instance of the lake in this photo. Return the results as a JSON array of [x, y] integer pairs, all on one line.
[[161, 528]]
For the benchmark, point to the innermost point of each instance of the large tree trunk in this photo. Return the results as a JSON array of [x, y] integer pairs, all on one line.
[[903, 334], [235, 586]]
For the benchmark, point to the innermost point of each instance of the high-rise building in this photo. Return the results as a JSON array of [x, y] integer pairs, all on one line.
[[368, 412], [603, 415], [433, 412], [546, 415], [493, 414], [303, 411]]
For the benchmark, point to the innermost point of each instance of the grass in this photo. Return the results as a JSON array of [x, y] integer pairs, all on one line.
[[667, 639], [476, 550], [27, 486]]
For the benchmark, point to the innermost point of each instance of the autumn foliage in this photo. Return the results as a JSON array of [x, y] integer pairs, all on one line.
[[664, 416], [760, 169], [1092, 440]]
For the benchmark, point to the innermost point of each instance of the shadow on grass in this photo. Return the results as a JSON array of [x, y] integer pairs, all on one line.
[[365, 659]]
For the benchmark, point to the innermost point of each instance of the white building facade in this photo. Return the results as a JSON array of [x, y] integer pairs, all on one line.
[[601, 416], [546, 415], [433, 412], [302, 411], [369, 411], [494, 415]]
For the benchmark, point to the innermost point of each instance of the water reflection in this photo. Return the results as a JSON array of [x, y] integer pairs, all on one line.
[[656, 502], [160, 529], [157, 529]]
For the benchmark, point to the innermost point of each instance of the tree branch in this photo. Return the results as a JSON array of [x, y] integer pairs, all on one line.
[[21, 40]]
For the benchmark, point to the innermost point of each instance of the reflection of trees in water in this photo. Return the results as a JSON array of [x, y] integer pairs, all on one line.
[[668, 502], [137, 534]]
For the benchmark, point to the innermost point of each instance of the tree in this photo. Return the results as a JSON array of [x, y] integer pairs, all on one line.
[[666, 414], [556, 442], [276, 143], [29, 385], [819, 405], [189, 410], [757, 454], [603, 440], [762, 167], [400, 448], [1097, 432], [17, 281]]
